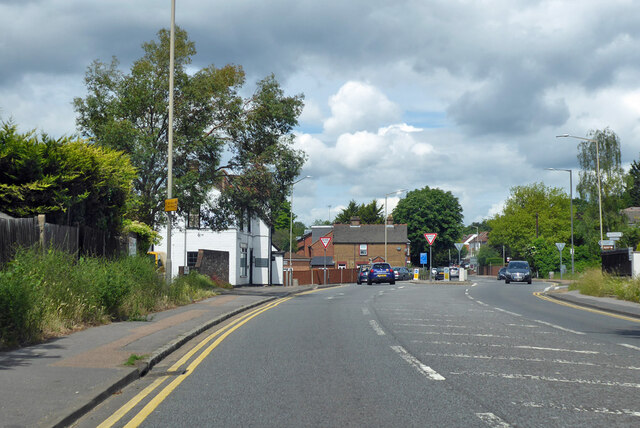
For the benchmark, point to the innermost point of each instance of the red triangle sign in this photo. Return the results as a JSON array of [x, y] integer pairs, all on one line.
[[430, 237], [325, 240]]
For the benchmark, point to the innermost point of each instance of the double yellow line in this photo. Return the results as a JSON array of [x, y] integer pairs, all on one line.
[[159, 398], [541, 295]]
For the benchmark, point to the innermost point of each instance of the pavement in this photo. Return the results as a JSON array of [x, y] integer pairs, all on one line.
[[54, 383]]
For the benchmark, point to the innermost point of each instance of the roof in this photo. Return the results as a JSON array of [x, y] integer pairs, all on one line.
[[369, 234], [320, 261], [318, 232], [483, 237]]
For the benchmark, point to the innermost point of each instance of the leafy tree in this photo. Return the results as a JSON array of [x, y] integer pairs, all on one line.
[[611, 178], [371, 213], [429, 210], [71, 181], [320, 222], [528, 206], [345, 215], [128, 112], [633, 185]]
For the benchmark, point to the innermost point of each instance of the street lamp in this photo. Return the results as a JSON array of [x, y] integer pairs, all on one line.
[[597, 173], [571, 199], [168, 264], [291, 228], [385, 219]]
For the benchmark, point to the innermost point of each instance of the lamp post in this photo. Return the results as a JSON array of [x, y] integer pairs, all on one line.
[[291, 228], [571, 200], [168, 268], [385, 219], [597, 174]]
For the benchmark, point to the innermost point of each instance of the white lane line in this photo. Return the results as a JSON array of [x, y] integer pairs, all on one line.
[[626, 345], [492, 420], [598, 410], [520, 376], [431, 325], [401, 287], [508, 312], [454, 334], [558, 327], [524, 325], [365, 311], [539, 348], [481, 303], [422, 368], [376, 327]]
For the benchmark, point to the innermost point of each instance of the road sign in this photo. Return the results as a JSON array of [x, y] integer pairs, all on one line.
[[560, 246], [325, 241], [423, 258], [430, 237], [606, 242], [171, 204], [459, 245], [614, 235]]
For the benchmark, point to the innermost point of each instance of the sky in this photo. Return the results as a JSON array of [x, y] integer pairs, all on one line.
[[465, 96]]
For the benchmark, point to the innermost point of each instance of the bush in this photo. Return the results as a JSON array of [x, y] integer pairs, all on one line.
[[595, 283]]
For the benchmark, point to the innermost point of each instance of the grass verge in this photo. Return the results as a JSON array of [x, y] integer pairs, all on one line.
[[595, 283]]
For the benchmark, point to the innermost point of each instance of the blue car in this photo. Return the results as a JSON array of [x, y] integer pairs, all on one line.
[[381, 272], [363, 272]]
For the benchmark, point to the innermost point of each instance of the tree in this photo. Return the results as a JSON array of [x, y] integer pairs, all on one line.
[[128, 112], [633, 185], [345, 215], [612, 178], [371, 213], [71, 181], [531, 211], [430, 211]]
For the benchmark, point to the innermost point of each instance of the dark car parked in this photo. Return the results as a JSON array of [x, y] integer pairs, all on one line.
[[363, 271], [501, 273], [439, 274], [518, 271], [402, 273], [381, 272]]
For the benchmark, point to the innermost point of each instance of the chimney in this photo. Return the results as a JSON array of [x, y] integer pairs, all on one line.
[[355, 221], [389, 220]]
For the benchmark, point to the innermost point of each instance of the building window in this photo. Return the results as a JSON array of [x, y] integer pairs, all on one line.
[[261, 262], [192, 258], [193, 219], [243, 262], [342, 265], [363, 249]]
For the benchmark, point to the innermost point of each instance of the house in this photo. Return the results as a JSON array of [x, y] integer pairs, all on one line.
[[355, 244], [474, 241], [252, 259]]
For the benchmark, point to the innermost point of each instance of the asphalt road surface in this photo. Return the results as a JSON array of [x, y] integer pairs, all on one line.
[[488, 355]]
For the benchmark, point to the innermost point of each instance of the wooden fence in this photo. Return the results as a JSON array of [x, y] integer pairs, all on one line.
[[26, 232], [316, 276]]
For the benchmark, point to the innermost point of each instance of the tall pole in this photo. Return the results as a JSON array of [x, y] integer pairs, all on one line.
[[168, 267], [573, 271], [291, 228], [597, 175]]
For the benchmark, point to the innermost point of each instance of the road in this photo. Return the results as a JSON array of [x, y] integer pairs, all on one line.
[[488, 355]]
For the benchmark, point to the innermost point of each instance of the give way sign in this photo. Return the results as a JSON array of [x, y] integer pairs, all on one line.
[[325, 241], [430, 237]]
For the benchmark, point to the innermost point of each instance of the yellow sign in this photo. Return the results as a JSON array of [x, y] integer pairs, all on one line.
[[171, 204]]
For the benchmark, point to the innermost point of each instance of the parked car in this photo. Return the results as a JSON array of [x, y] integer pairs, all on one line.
[[518, 271], [501, 273], [381, 272], [402, 273], [439, 274], [362, 274], [454, 272]]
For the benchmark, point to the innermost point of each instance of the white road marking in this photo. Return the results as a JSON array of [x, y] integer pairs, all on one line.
[[481, 303], [376, 327], [492, 420], [422, 368], [402, 286], [508, 312], [600, 410], [519, 376], [454, 334], [524, 325], [539, 348], [626, 345], [365, 311], [432, 325], [558, 327]]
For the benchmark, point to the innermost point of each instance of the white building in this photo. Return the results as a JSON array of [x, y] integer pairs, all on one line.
[[252, 258]]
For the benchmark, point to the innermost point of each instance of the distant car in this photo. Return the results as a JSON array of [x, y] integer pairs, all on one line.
[[401, 273], [501, 274], [434, 271], [439, 274], [454, 272], [362, 274], [518, 271], [381, 272]]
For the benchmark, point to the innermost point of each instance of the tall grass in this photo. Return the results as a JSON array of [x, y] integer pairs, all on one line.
[[47, 293], [595, 283]]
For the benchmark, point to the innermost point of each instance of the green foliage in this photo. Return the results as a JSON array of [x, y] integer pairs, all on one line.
[[594, 283], [146, 235], [43, 293], [128, 112], [487, 253], [370, 213], [516, 226], [430, 211], [633, 185], [70, 181]]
